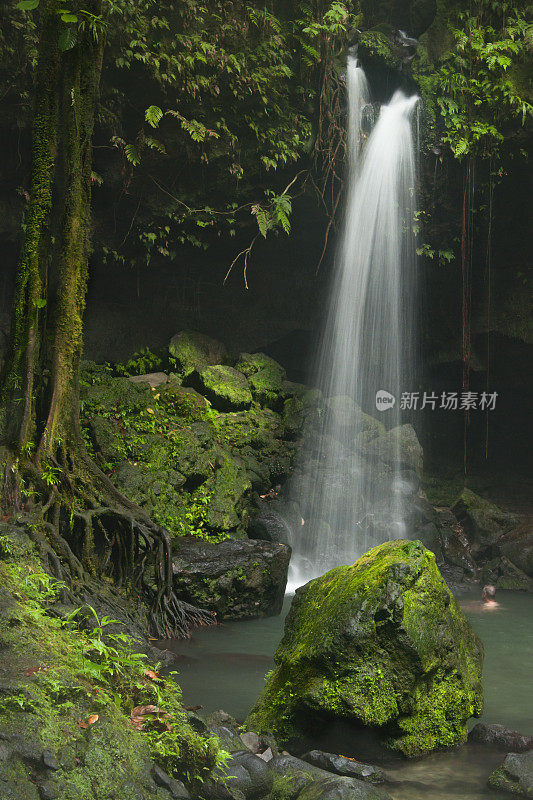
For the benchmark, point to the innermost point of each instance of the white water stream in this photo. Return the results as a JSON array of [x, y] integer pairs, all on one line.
[[342, 489]]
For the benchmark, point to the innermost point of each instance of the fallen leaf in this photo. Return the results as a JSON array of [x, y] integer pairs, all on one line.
[[139, 716], [92, 719], [34, 670], [150, 410], [150, 673], [82, 724]]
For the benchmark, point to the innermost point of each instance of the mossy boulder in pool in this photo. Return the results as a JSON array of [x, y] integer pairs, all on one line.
[[383, 644], [225, 387], [193, 351]]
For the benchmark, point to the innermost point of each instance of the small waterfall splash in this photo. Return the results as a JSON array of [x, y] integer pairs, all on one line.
[[350, 494]]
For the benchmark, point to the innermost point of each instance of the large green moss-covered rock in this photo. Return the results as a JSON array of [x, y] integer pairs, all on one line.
[[382, 643], [193, 350], [225, 387], [265, 375]]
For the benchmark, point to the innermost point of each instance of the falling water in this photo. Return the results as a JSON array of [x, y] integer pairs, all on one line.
[[351, 497]]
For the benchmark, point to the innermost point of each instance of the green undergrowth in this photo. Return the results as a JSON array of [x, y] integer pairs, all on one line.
[[71, 680]]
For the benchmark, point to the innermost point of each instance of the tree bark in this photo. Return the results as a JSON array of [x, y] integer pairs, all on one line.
[[39, 393], [86, 525]]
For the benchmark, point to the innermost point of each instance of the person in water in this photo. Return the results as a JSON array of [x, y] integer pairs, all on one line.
[[489, 594], [488, 602]]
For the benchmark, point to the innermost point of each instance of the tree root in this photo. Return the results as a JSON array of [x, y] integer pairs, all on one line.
[[86, 529]]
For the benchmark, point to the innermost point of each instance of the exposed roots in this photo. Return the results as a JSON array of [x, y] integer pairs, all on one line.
[[86, 529]]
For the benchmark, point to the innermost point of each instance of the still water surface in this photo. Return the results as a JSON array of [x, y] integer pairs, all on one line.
[[224, 667]]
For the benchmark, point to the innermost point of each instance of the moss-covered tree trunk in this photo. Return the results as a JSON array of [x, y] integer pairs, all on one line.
[[88, 527], [40, 385]]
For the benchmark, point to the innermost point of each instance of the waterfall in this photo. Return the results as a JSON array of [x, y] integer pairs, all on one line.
[[348, 499]]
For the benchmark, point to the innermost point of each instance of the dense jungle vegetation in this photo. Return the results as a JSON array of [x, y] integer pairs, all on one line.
[[137, 131]]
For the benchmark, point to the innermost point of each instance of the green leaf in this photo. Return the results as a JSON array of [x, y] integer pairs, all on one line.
[[27, 5], [40, 303], [132, 154], [262, 221], [67, 39], [68, 17], [153, 116]]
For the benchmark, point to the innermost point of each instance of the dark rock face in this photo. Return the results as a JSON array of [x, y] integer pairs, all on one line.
[[269, 525], [300, 779], [381, 643], [347, 767], [236, 579], [515, 774], [174, 787], [505, 575], [500, 736], [333, 788], [519, 550], [243, 776], [483, 522]]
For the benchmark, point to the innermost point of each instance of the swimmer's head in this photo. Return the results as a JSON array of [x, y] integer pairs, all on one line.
[[489, 593]]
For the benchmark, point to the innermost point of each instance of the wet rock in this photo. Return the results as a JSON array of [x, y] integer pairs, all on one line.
[[295, 773], [515, 774], [252, 364], [519, 550], [153, 379], [500, 736], [176, 788], [483, 522], [397, 446], [301, 779], [50, 761], [430, 538], [342, 789], [193, 351], [14, 542], [226, 729], [224, 387], [351, 421], [454, 542], [347, 767], [115, 394], [505, 575], [48, 790], [235, 578], [269, 525], [243, 776], [382, 643], [183, 401], [260, 775], [251, 741], [107, 438], [293, 415]]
